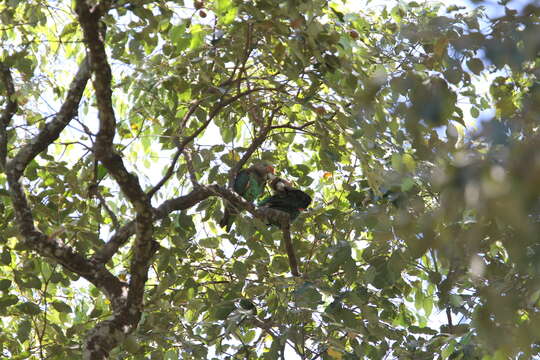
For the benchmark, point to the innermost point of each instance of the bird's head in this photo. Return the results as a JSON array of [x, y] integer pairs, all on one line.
[[265, 169], [279, 184]]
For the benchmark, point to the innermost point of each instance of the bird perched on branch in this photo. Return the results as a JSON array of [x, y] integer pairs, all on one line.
[[249, 183], [280, 185], [286, 199]]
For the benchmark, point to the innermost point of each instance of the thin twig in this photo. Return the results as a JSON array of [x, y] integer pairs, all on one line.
[[291, 126], [255, 144], [191, 169], [167, 176], [112, 215]]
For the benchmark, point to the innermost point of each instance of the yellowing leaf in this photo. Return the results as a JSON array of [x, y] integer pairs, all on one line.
[[223, 5], [440, 47], [373, 177], [234, 156], [229, 16], [409, 162], [334, 354], [197, 37]]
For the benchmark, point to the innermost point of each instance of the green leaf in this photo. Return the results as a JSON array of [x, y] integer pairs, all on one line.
[[8, 300], [396, 162], [240, 269], [229, 16], [5, 257], [5, 284], [32, 282], [409, 162], [185, 221], [179, 36], [23, 330], [427, 305], [307, 296], [211, 243], [131, 344], [102, 171], [29, 308], [407, 184], [476, 66], [279, 264], [240, 252], [61, 306], [422, 330], [222, 310]]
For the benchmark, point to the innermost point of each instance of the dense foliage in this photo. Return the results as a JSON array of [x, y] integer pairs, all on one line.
[[413, 127]]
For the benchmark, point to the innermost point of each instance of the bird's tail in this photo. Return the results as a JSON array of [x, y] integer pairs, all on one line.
[[227, 220]]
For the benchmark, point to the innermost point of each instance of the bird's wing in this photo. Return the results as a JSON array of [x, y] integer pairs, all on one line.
[[265, 201], [241, 182], [254, 188]]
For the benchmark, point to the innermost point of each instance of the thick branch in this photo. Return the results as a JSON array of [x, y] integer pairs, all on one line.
[[49, 246], [106, 335], [51, 131], [264, 214], [53, 248], [121, 236], [103, 338], [103, 147], [198, 194], [8, 113]]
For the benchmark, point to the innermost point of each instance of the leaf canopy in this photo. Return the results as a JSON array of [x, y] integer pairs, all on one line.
[[413, 127]]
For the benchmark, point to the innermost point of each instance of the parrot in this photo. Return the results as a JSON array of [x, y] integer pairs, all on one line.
[[280, 185], [286, 198], [249, 183]]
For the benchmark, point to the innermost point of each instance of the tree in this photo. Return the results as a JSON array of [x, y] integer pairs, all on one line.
[[413, 127]]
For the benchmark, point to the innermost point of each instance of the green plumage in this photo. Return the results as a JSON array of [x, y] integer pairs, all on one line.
[[249, 183]]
